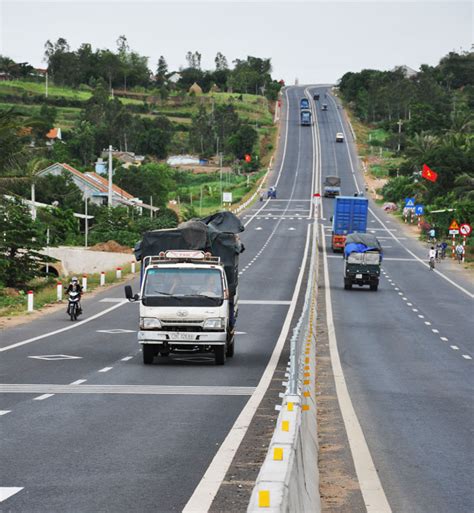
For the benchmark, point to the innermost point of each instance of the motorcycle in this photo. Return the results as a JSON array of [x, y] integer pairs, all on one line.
[[73, 309]]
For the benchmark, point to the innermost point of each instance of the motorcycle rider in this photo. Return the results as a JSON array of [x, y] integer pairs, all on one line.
[[75, 287], [432, 258]]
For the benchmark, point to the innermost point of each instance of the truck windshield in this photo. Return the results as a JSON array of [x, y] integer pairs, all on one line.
[[181, 282]]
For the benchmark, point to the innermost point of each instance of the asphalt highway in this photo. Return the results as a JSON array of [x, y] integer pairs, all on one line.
[[86, 427], [406, 351]]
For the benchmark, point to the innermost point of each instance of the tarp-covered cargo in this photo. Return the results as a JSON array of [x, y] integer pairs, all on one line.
[[198, 235], [332, 181], [361, 243]]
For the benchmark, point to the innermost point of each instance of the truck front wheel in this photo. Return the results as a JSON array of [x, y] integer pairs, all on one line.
[[220, 354], [374, 286], [230, 344], [347, 284], [148, 354]]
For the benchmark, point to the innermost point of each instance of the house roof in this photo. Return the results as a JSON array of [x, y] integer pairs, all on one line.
[[103, 182], [54, 133]]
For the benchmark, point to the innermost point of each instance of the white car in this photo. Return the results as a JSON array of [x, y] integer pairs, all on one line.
[[339, 137]]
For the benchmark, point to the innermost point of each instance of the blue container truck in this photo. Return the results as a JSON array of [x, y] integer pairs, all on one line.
[[304, 103], [305, 118], [350, 215]]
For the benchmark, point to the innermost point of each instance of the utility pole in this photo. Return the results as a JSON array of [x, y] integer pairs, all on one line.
[[400, 123], [86, 229], [46, 85], [110, 177], [151, 205], [220, 172]]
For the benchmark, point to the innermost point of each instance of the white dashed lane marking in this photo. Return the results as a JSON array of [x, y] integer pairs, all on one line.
[[466, 357], [8, 491], [106, 369], [126, 359], [4, 412], [42, 397], [79, 382]]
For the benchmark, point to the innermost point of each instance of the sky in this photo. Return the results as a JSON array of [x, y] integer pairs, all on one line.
[[313, 41]]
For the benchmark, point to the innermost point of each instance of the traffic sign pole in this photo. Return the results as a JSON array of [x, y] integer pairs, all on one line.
[[464, 246]]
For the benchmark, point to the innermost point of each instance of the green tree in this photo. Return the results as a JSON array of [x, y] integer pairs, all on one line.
[[19, 244], [243, 141]]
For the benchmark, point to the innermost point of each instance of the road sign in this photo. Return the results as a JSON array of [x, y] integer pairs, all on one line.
[[419, 210], [454, 225], [465, 230], [227, 197], [410, 202]]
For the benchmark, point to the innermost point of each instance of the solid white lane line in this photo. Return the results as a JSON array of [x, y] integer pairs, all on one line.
[[126, 359], [105, 369], [370, 485], [8, 388], [79, 382], [4, 412], [262, 302], [42, 397], [62, 330], [455, 348], [8, 491], [203, 495], [466, 356]]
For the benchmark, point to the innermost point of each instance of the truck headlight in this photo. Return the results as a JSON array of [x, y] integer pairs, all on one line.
[[214, 324], [149, 323]]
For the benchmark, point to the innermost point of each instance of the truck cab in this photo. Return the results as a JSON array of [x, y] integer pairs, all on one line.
[[362, 261], [332, 186], [305, 118], [304, 104], [185, 306]]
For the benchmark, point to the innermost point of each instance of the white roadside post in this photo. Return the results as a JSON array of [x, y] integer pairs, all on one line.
[[118, 273], [30, 301], [102, 279], [84, 283], [59, 291], [132, 268]]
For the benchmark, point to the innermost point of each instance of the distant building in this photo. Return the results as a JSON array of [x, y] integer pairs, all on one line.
[[127, 158], [96, 187], [406, 70], [215, 89], [53, 135], [174, 77], [195, 88]]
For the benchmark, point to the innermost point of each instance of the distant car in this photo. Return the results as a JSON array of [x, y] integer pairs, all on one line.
[[316, 97], [339, 137], [324, 106]]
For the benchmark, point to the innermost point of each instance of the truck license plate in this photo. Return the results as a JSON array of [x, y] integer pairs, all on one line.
[[358, 276], [181, 336]]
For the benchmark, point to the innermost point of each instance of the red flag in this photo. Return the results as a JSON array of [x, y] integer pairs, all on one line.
[[248, 158], [429, 174]]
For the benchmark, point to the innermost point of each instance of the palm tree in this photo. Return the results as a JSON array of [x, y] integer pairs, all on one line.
[[420, 145], [464, 186]]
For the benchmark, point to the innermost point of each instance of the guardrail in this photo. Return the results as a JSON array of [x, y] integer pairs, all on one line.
[[288, 480]]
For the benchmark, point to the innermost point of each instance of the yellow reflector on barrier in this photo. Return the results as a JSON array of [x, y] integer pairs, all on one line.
[[290, 406], [306, 382], [307, 374], [264, 498], [305, 407], [285, 425], [306, 360], [306, 394], [307, 367], [278, 453]]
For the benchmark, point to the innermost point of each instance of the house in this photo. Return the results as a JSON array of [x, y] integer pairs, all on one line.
[[174, 77], [127, 158], [53, 135], [96, 187], [406, 70], [195, 88]]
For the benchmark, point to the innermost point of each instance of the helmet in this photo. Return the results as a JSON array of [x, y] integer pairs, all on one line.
[[74, 278]]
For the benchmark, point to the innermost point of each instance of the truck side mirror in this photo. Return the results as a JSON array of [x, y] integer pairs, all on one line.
[[129, 294], [330, 219]]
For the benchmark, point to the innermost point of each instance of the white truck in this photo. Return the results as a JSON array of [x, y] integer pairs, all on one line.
[[188, 297]]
